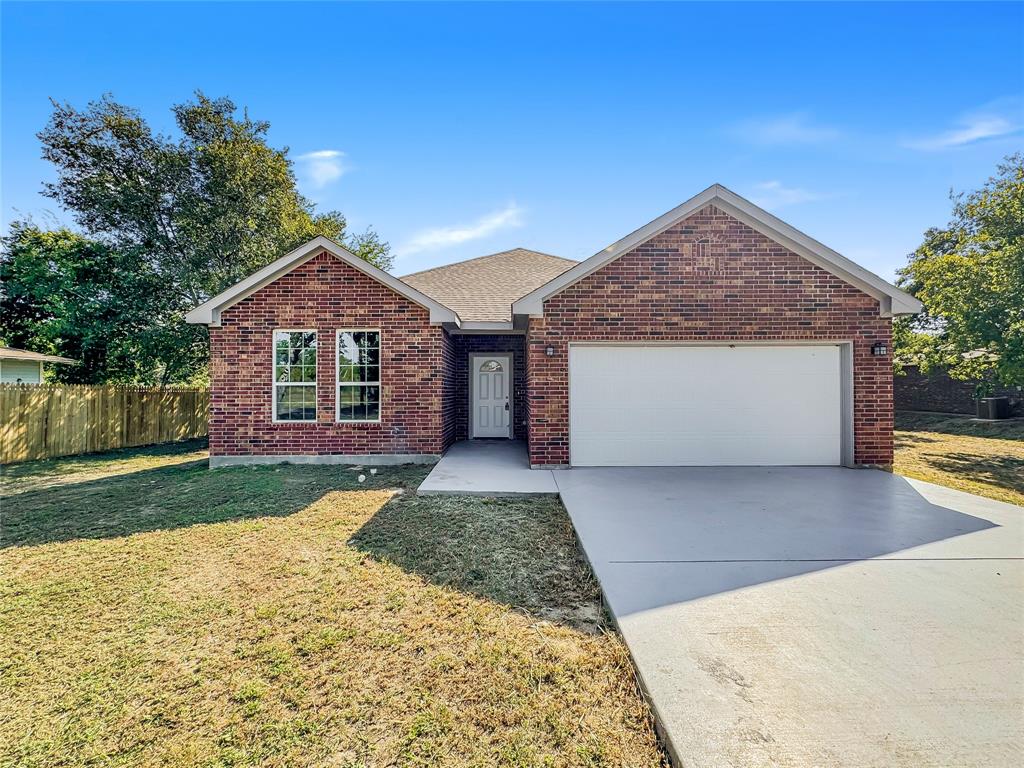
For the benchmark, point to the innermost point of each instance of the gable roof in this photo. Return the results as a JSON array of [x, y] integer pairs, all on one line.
[[208, 313], [10, 353], [483, 289], [892, 301]]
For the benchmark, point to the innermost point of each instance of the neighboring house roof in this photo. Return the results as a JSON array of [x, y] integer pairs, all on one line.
[[208, 313], [891, 299], [483, 289], [10, 353]]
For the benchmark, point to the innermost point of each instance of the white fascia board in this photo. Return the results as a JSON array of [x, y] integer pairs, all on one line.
[[487, 326], [891, 299], [208, 313]]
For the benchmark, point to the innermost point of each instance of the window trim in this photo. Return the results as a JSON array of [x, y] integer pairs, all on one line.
[[274, 382], [338, 382]]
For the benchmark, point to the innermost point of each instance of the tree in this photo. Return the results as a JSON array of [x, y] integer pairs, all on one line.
[[199, 212], [970, 277], [61, 293]]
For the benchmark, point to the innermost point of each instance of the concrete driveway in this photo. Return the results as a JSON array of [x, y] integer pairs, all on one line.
[[813, 616]]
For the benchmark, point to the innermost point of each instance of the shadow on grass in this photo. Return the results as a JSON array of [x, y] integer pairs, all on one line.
[[177, 496], [960, 425], [519, 552], [905, 439], [33, 470], [1004, 471]]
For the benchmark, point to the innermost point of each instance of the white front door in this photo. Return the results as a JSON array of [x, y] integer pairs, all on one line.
[[491, 377]]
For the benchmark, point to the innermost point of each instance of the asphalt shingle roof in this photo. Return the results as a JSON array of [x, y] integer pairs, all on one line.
[[483, 289]]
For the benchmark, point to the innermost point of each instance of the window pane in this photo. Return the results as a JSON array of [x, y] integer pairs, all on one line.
[[348, 350], [371, 374], [365, 339], [358, 403], [309, 373], [370, 356], [490, 366], [296, 403], [372, 411]]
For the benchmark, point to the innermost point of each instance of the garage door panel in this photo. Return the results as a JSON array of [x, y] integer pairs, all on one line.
[[674, 405]]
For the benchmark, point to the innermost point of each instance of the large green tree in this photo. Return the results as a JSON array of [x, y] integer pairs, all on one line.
[[61, 293], [198, 210], [970, 277]]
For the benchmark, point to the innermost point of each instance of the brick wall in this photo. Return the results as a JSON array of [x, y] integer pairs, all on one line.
[[448, 391], [484, 343], [708, 278], [326, 294], [937, 391]]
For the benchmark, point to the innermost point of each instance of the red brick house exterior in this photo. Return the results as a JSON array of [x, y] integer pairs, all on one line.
[[716, 269], [744, 288], [325, 294]]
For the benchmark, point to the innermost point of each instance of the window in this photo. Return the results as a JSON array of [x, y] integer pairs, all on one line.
[[358, 376], [491, 366], [294, 375]]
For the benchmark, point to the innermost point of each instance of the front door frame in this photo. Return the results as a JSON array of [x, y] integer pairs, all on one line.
[[471, 372]]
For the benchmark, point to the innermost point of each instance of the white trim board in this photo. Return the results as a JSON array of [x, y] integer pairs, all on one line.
[[209, 312], [892, 301]]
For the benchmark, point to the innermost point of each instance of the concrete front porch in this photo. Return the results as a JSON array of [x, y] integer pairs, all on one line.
[[488, 468]]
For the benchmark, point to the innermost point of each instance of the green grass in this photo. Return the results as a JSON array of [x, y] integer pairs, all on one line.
[[154, 612], [985, 458]]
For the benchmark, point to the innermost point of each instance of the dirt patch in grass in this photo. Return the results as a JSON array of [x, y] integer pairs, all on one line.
[[292, 616], [985, 458]]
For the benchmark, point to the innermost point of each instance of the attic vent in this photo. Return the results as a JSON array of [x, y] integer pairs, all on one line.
[[707, 256]]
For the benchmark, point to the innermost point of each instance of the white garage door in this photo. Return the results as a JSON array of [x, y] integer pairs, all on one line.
[[704, 406]]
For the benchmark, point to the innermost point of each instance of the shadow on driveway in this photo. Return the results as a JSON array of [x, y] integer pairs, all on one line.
[[766, 523]]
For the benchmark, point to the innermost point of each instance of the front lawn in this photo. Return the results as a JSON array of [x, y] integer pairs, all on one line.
[[154, 612], [986, 458]]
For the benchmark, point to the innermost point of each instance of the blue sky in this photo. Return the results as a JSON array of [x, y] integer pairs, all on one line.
[[459, 130]]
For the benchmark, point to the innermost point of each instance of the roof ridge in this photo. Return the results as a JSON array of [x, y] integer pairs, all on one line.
[[486, 256]]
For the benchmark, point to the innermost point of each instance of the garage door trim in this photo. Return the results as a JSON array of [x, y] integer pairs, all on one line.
[[846, 449]]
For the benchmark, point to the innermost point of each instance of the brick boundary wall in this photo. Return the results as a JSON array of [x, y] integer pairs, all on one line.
[[326, 294], [709, 278], [938, 391]]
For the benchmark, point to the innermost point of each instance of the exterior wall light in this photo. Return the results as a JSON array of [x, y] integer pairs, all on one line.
[[549, 351], [879, 349]]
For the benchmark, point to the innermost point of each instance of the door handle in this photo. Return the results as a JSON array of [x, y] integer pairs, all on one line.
[[506, 405]]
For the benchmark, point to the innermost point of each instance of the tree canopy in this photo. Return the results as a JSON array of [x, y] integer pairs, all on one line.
[[67, 295], [970, 277], [172, 221]]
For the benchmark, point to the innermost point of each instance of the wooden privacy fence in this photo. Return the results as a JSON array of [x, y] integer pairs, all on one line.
[[44, 421]]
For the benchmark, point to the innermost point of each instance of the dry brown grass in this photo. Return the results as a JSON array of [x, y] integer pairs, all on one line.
[[985, 458], [288, 616]]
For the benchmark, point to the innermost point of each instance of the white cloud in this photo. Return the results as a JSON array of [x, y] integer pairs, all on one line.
[[774, 194], [441, 237], [987, 122], [322, 167], [794, 128]]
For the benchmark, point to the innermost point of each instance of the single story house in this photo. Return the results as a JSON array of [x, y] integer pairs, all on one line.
[[19, 366], [714, 335]]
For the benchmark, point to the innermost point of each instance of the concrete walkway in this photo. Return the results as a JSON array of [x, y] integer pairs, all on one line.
[[488, 468], [813, 616]]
